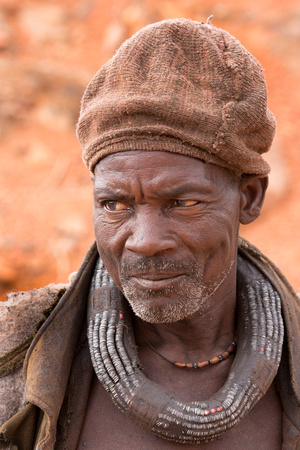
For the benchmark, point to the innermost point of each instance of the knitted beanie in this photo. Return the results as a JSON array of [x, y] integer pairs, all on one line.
[[183, 87]]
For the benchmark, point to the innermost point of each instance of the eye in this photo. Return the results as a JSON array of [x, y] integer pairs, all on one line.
[[183, 203], [111, 205]]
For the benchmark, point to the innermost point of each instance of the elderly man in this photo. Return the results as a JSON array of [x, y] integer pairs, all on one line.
[[174, 331]]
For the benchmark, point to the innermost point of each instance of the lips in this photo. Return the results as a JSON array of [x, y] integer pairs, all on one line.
[[156, 281]]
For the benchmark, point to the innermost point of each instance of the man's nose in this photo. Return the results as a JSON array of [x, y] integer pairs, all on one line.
[[150, 236]]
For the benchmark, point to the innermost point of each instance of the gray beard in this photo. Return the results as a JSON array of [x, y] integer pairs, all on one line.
[[182, 300]]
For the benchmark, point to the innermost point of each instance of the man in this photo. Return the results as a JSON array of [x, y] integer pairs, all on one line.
[[180, 332]]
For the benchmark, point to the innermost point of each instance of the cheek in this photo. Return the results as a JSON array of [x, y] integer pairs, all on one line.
[[213, 236], [219, 240], [108, 232], [110, 239], [211, 231]]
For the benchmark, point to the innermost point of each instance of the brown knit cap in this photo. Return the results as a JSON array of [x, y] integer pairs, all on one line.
[[184, 87]]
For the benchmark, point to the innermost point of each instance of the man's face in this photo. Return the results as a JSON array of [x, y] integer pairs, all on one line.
[[166, 227]]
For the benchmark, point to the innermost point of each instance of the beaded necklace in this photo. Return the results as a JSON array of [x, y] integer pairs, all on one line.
[[198, 364], [154, 409]]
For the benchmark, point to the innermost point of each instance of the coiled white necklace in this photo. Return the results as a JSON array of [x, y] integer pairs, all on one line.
[[154, 409]]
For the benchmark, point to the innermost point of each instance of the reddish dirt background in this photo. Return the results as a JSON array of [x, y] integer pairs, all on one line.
[[49, 50]]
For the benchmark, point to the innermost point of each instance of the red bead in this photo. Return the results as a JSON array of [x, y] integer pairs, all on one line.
[[262, 350], [178, 364], [202, 364], [219, 408], [212, 410], [121, 316], [214, 360], [206, 412]]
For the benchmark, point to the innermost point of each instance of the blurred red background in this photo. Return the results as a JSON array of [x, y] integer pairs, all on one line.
[[49, 50]]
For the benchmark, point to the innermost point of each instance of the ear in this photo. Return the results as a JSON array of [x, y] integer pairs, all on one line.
[[252, 195]]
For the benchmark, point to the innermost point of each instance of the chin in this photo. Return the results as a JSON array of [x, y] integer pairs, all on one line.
[[171, 304], [166, 310]]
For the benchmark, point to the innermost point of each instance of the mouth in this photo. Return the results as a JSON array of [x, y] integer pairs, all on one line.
[[156, 281]]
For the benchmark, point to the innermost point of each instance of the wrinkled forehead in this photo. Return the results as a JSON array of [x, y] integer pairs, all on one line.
[[160, 169]]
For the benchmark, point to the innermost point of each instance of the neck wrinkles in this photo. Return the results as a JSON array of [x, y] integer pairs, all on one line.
[[209, 329]]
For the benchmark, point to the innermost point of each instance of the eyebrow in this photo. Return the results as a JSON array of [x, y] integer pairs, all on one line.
[[186, 188], [165, 192], [109, 193]]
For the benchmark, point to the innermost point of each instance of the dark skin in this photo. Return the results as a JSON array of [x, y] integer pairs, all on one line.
[[158, 206]]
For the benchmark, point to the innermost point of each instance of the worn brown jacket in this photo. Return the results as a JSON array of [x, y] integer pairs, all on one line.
[[57, 368]]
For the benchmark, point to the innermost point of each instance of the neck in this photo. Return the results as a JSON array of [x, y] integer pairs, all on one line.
[[201, 335]]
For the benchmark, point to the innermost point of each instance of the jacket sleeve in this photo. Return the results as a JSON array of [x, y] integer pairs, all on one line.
[[20, 317]]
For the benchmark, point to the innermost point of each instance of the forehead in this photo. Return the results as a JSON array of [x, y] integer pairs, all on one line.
[[159, 168]]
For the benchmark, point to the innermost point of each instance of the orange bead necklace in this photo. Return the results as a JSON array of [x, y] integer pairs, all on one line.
[[199, 364]]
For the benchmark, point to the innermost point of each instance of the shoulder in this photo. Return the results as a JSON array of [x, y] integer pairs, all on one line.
[[20, 317], [267, 267], [22, 311]]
